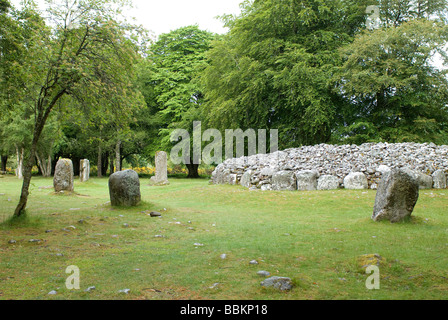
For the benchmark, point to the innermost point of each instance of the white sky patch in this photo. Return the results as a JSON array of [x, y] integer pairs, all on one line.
[[163, 16]]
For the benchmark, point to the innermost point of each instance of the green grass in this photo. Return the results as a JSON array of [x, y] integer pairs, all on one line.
[[314, 238]]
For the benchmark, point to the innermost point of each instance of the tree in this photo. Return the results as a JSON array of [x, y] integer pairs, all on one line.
[[273, 69], [172, 90], [86, 53], [12, 41], [392, 90]]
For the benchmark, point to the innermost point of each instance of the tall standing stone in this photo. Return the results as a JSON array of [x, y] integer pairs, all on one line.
[[124, 188], [84, 170], [396, 197], [161, 175], [63, 176]]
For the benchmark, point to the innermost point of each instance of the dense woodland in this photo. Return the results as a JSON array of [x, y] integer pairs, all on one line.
[[79, 82]]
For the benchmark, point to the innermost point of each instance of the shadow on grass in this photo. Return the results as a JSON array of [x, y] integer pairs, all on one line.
[[142, 206], [23, 221]]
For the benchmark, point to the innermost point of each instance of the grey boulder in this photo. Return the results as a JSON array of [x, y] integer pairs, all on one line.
[[328, 182], [279, 283], [356, 181], [284, 180], [397, 195], [124, 188], [424, 181], [306, 180], [63, 176], [439, 179]]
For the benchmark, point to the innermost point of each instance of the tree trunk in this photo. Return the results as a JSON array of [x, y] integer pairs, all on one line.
[[193, 171], [99, 163], [105, 164], [20, 209], [111, 164], [4, 162], [40, 120], [44, 165], [118, 156]]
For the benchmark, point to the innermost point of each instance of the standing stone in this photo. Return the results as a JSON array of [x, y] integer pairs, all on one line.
[[124, 188], [284, 180], [84, 170], [328, 182], [306, 180], [63, 176], [356, 181], [396, 197], [161, 176], [439, 178]]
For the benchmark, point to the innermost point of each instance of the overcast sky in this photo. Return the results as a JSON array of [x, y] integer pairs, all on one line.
[[162, 16]]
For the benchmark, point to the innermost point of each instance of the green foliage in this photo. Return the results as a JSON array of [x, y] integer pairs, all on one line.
[[392, 90], [171, 88], [272, 70], [312, 70]]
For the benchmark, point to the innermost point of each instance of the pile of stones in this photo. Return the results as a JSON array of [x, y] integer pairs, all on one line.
[[327, 167]]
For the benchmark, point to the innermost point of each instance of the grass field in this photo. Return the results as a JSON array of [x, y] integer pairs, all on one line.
[[314, 238]]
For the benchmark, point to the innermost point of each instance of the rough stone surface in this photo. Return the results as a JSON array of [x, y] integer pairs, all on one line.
[[280, 283], [424, 181], [161, 176], [372, 159], [328, 182], [439, 179], [245, 179], [396, 197], [84, 170], [307, 180], [63, 176], [356, 181], [124, 188], [284, 180]]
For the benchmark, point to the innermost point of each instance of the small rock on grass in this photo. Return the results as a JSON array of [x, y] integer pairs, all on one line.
[[214, 286], [263, 273], [155, 214], [125, 291], [280, 283], [254, 262]]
